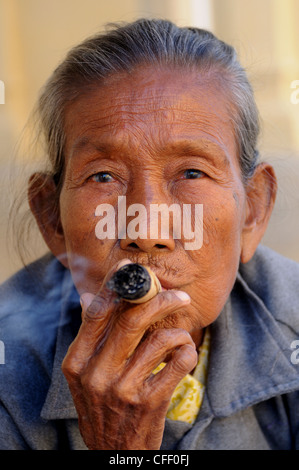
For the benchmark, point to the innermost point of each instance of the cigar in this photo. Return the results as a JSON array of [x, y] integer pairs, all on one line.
[[135, 283]]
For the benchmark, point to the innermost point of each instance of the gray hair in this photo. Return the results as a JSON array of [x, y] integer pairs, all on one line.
[[156, 42]]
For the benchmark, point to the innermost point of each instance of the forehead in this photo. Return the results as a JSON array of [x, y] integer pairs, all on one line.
[[152, 106]]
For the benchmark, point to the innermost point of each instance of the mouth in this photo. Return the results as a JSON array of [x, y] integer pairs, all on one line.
[[166, 282], [166, 285]]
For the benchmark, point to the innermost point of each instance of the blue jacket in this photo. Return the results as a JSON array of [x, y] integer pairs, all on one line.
[[252, 395]]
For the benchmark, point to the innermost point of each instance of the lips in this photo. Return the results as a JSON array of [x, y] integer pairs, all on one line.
[[166, 284]]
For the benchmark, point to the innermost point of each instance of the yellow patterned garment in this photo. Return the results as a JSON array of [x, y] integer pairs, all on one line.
[[188, 395]]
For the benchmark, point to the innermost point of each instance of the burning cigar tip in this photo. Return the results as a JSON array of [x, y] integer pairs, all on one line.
[[135, 283]]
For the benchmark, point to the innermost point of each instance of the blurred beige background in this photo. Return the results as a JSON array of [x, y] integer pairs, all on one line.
[[36, 34]]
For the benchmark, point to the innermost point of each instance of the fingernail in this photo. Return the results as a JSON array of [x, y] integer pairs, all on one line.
[[85, 300], [183, 296]]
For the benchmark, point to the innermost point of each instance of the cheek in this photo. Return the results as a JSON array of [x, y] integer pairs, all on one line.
[[77, 218], [218, 260], [222, 223], [87, 255]]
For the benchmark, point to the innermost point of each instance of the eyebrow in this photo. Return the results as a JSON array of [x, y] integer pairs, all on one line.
[[83, 142], [200, 147], [204, 148]]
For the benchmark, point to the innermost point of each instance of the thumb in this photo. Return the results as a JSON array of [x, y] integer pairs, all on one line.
[[91, 303]]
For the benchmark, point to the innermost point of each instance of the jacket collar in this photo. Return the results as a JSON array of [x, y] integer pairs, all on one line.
[[249, 357], [59, 403]]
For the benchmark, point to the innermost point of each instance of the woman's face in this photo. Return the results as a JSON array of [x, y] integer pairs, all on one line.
[[155, 137]]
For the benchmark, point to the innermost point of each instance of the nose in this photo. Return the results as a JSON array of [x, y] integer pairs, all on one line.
[[147, 245], [148, 221]]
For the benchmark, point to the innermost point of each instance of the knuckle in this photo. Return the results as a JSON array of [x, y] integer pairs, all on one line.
[[162, 338], [130, 322], [171, 337], [96, 308], [127, 394], [103, 303], [73, 363], [124, 392], [91, 383], [70, 368], [185, 359]]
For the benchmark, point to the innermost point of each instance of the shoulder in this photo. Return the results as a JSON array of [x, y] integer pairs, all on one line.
[[27, 294], [275, 281], [34, 280], [30, 310], [29, 314]]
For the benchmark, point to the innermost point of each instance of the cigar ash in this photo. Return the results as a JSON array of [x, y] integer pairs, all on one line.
[[131, 282]]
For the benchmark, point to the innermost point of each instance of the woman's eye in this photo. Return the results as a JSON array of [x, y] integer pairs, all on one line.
[[102, 177], [193, 174]]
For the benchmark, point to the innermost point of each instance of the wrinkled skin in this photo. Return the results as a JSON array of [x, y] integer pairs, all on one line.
[[141, 141]]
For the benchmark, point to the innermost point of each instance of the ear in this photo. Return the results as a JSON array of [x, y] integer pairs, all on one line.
[[44, 204], [260, 198]]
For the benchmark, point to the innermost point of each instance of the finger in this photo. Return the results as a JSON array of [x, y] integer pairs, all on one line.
[[102, 301], [85, 300], [131, 325], [154, 350], [182, 362], [96, 313]]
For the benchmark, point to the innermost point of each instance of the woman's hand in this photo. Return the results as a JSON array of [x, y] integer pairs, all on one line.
[[120, 403]]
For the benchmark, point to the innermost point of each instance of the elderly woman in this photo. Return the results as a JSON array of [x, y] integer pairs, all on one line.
[[151, 114]]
